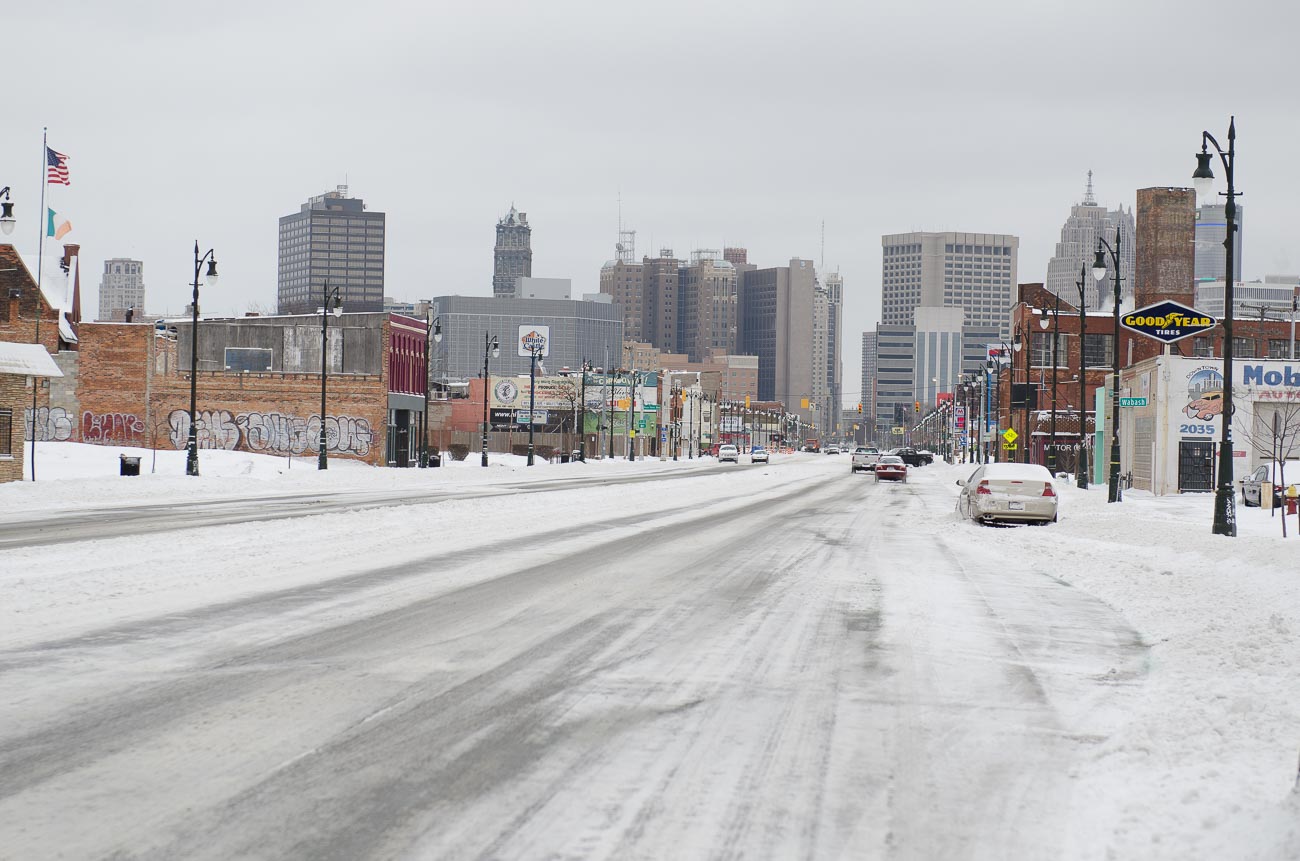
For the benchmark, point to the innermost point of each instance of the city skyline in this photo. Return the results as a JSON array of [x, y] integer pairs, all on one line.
[[149, 191]]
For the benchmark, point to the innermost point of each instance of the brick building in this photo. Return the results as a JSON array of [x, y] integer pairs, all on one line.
[[259, 385], [22, 367]]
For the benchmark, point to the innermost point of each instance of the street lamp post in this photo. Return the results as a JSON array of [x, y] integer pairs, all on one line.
[[1099, 272], [582, 416], [322, 461], [533, 351], [1225, 513], [1056, 337], [631, 412], [435, 328], [209, 278], [492, 348], [1081, 466]]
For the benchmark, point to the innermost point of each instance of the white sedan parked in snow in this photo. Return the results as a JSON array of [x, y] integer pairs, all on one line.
[[1017, 492]]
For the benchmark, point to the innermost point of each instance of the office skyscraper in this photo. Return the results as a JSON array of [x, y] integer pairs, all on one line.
[[1078, 245], [776, 308], [973, 271], [512, 257], [121, 289], [331, 239], [1211, 230]]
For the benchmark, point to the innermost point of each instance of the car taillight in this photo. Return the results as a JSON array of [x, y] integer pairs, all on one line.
[[983, 487], [1047, 490]]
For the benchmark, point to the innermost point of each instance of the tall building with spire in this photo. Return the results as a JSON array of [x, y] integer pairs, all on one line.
[[513, 255], [1078, 245]]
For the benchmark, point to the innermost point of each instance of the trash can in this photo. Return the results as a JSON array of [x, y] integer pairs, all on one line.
[[435, 459], [564, 458], [129, 465]]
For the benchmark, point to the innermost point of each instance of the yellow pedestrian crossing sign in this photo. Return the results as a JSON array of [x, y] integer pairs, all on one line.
[[1010, 435]]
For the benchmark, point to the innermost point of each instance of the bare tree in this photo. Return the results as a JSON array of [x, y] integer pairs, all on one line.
[[1274, 431]]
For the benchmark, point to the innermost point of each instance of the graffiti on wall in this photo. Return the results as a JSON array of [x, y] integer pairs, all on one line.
[[270, 433], [53, 424], [112, 429]]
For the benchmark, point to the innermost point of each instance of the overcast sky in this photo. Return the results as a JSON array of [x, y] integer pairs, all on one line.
[[739, 123]]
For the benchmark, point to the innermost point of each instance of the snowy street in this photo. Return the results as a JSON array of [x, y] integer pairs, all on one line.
[[649, 660]]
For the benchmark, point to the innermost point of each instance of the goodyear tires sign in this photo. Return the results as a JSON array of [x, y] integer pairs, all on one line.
[[1168, 321]]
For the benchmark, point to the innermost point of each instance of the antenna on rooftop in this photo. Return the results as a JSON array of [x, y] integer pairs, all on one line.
[[1088, 199]]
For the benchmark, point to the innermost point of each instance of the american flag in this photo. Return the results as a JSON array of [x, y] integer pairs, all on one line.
[[58, 166]]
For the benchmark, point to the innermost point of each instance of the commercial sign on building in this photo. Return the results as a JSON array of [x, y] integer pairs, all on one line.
[[535, 339], [1168, 321]]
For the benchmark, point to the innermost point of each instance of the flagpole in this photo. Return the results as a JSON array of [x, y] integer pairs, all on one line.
[[40, 260]]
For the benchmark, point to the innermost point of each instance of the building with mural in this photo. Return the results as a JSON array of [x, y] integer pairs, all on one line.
[[1169, 437], [259, 386]]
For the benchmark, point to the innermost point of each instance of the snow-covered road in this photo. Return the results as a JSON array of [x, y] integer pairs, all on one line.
[[759, 662]]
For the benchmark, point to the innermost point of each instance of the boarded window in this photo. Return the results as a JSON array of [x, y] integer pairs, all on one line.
[[6, 432], [240, 359]]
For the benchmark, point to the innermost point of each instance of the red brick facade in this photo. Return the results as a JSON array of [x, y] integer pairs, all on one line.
[[134, 390]]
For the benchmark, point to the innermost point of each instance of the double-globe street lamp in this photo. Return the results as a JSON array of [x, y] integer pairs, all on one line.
[[1081, 463], [1225, 513], [1099, 272], [582, 415], [534, 350], [209, 278], [493, 348], [433, 330], [322, 459]]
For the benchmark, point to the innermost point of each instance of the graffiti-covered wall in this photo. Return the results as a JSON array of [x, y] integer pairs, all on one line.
[[132, 391]]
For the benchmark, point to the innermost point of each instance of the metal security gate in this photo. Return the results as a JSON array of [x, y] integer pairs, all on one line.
[[1195, 466]]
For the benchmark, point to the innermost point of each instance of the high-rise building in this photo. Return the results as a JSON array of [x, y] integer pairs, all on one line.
[[834, 286], [706, 306], [973, 271], [331, 238], [867, 393], [895, 373], [1078, 244], [121, 289], [1166, 235], [776, 312], [513, 255], [660, 280], [1211, 231]]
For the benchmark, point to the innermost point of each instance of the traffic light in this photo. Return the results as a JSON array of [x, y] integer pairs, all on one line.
[[859, 408], [918, 406]]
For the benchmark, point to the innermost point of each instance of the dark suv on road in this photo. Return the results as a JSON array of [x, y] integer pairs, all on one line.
[[912, 457]]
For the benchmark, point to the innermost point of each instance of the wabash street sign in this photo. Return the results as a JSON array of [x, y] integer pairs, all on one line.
[[1168, 321]]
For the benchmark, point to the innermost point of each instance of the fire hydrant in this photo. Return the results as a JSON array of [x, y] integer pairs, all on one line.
[[1291, 495]]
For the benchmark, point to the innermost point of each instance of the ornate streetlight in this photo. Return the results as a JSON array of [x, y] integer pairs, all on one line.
[[534, 350], [209, 278], [1099, 272], [436, 329], [490, 347], [6, 212], [322, 461], [1225, 512], [1056, 337], [1081, 465]]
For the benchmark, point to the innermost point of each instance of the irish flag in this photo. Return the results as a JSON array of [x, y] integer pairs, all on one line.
[[57, 226]]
